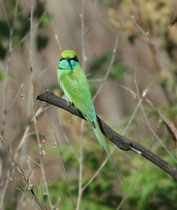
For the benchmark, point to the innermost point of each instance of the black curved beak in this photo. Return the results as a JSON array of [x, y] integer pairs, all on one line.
[[69, 61]]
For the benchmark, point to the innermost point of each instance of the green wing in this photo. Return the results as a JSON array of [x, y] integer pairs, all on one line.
[[77, 90]]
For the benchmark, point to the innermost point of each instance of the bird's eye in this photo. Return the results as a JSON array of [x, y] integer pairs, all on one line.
[[75, 58]]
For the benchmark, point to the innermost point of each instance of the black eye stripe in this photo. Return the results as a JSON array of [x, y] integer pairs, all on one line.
[[75, 59], [69, 59]]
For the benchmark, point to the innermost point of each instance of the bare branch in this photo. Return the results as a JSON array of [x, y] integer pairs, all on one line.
[[121, 142]]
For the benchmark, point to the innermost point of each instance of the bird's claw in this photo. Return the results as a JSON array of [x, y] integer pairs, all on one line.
[[69, 103]]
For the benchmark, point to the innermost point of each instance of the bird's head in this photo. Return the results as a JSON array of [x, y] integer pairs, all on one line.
[[68, 60]]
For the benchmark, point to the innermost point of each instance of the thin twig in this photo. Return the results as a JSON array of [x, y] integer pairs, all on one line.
[[36, 163], [149, 126], [66, 178], [83, 36], [25, 196], [140, 169], [170, 126], [135, 178], [57, 38], [42, 165], [88, 29], [28, 34], [109, 67], [21, 174], [5, 188], [25, 134], [5, 14], [15, 98], [80, 167], [67, 139], [97, 172], [155, 51]]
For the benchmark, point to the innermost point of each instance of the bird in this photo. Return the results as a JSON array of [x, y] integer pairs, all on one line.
[[75, 86]]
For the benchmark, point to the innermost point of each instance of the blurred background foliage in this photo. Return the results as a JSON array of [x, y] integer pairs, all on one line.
[[22, 26], [146, 53]]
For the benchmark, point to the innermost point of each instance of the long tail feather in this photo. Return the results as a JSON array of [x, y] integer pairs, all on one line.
[[102, 142]]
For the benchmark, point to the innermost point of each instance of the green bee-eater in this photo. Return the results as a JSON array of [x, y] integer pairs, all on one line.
[[73, 82]]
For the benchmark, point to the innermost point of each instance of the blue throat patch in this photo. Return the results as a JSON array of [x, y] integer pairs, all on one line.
[[68, 64]]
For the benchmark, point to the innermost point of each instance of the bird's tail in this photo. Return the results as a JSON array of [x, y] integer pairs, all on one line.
[[103, 144]]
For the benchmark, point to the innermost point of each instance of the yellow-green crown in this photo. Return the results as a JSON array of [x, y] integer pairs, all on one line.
[[68, 54]]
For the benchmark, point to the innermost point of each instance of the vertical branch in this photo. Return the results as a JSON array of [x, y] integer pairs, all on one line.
[[30, 85], [5, 188], [41, 153], [80, 167], [66, 178], [31, 98], [67, 139], [4, 113], [82, 122], [5, 95], [31, 65], [83, 35]]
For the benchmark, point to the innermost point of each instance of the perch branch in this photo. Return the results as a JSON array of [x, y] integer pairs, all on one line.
[[121, 142]]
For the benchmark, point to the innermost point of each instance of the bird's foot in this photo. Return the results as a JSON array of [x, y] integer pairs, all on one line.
[[69, 103]]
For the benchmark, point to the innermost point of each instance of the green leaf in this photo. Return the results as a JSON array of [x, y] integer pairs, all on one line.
[[2, 74], [3, 52], [46, 19], [4, 29], [41, 42], [118, 71]]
